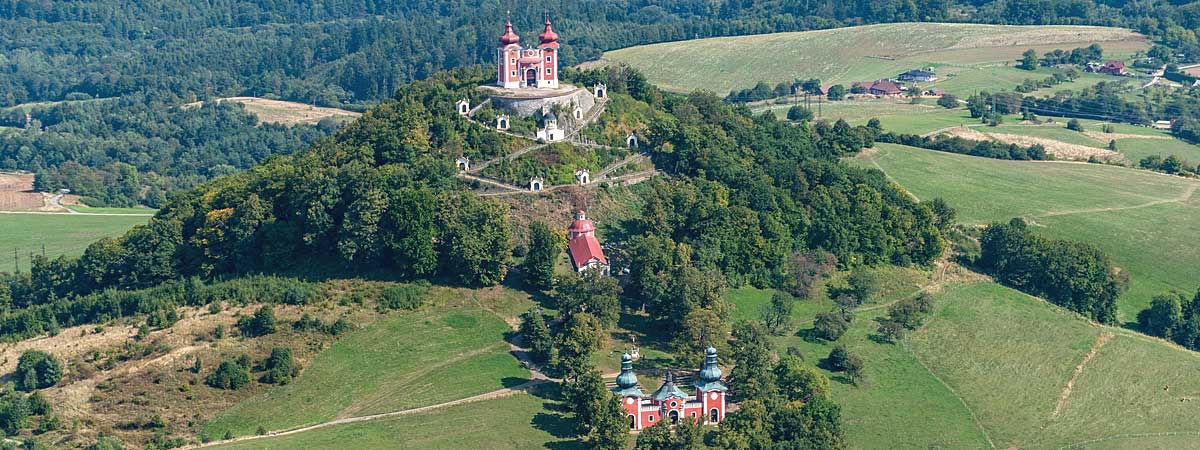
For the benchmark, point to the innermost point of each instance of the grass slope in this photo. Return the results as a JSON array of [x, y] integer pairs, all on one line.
[[1145, 221], [62, 234], [1022, 352], [439, 354], [516, 422], [977, 56]]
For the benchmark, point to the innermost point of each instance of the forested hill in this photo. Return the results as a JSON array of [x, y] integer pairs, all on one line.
[[747, 193], [355, 51]]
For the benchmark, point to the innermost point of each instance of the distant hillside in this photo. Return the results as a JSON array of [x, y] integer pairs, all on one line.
[[864, 53]]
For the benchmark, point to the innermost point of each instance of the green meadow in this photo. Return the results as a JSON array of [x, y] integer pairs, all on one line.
[[1146, 221], [61, 234], [520, 421], [967, 57], [445, 352]]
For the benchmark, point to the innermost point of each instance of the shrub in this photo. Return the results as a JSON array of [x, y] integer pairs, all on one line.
[[281, 367], [404, 297], [37, 370], [262, 323], [106, 443], [1074, 125], [230, 375], [38, 405], [830, 325]]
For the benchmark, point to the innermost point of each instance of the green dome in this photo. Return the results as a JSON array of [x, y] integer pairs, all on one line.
[[710, 372], [627, 378]]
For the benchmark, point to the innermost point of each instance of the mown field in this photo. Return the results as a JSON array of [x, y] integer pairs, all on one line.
[[521, 421], [452, 350], [1144, 220], [61, 234], [968, 57]]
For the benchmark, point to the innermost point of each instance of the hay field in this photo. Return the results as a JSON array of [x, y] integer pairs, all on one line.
[[851, 54]]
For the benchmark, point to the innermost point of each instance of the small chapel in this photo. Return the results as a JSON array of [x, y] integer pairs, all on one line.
[[669, 402], [582, 246], [533, 67]]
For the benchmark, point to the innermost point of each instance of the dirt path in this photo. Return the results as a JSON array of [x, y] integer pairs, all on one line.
[[1102, 339], [1185, 196], [871, 157], [373, 417]]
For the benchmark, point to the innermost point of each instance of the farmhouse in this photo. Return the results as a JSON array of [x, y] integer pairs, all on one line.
[[669, 402], [582, 246], [918, 75], [882, 88], [535, 67], [1110, 68]]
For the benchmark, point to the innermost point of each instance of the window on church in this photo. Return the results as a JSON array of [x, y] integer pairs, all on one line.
[[712, 416], [547, 71], [513, 61], [547, 59], [514, 73]]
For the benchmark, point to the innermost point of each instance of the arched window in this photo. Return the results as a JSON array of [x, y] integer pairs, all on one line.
[[674, 417], [632, 422], [712, 416]]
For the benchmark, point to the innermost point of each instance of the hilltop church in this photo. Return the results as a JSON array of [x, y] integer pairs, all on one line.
[[669, 402], [535, 67]]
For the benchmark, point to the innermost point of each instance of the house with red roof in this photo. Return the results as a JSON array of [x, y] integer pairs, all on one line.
[[582, 246], [1112, 68], [881, 88]]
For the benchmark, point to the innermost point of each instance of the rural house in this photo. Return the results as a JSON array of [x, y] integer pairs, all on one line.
[[881, 88], [1111, 68], [918, 75]]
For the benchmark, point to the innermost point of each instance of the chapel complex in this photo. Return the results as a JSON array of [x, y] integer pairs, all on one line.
[[527, 67], [669, 402]]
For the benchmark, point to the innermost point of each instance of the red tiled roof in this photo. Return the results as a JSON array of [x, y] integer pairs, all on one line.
[[886, 86], [583, 248]]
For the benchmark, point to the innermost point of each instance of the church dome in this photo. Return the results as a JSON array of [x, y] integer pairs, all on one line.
[[509, 38], [581, 225], [627, 378], [710, 372], [548, 35]]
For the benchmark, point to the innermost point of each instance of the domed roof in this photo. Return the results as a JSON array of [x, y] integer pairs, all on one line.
[[710, 372], [581, 224], [509, 38], [548, 35], [627, 378]]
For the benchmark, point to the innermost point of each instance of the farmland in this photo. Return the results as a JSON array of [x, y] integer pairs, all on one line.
[[61, 234], [967, 57], [288, 113], [1142, 219]]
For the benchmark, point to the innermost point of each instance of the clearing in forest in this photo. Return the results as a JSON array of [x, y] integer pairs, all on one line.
[[288, 113]]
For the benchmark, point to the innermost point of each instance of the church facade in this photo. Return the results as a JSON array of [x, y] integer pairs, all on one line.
[[532, 67], [669, 402], [582, 246]]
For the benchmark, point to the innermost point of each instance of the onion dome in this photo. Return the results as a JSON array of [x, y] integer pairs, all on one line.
[[548, 35], [710, 374], [627, 382], [581, 225], [509, 38]]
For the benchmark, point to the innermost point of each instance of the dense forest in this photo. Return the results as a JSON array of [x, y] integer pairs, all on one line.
[[352, 53], [134, 150]]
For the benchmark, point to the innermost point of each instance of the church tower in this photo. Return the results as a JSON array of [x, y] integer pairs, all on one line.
[[709, 388], [533, 67]]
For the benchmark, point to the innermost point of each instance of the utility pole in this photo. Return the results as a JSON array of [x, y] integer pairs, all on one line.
[[16, 261]]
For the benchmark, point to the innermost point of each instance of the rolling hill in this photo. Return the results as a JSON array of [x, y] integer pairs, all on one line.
[[966, 56]]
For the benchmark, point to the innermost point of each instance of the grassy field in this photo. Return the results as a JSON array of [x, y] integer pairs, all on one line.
[[1145, 221], [450, 351], [288, 113], [62, 234], [90, 210], [521, 421], [968, 57]]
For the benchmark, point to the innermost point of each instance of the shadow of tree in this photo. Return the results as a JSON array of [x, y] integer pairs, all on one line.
[[512, 382]]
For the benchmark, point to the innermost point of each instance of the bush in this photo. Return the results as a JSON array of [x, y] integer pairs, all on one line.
[[262, 323], [230, 375], [38, 405], [106, 443], [948, 101], [1074, 125], [404, 297], [37, 370], [281, 367], [830, 325]]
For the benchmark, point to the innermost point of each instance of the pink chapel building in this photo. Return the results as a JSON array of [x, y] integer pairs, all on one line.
[[669, 402], [582, 246], [533, 67]]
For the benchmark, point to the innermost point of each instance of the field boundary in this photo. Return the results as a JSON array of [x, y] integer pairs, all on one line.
[[1101, 339]]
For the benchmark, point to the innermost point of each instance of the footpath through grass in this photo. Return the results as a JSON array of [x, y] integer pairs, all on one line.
[[520, 421], [446, 352], [1146, 221]]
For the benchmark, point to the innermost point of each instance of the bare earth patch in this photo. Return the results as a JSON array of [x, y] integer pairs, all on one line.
[[16, 193], [1058, 149], [1105, 137], [287, 113]]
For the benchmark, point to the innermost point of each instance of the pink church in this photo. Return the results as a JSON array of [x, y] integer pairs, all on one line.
[[669, 402], [534, 67]]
